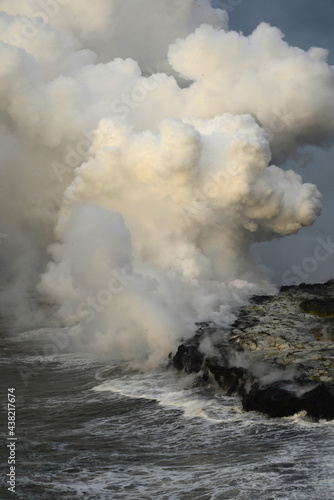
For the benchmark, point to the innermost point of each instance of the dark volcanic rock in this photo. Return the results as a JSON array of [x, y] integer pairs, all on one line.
[[278, 399], [231, 379], [260, 299], [319, 402], [324, 308], [188, 358], [290, 337], [275, 400]]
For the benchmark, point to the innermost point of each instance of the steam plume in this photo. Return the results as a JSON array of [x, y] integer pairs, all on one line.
[[141, 144]]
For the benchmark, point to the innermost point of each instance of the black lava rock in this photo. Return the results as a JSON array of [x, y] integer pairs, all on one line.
[[231, 379], [319, 402], [275, 400], [188, 358]]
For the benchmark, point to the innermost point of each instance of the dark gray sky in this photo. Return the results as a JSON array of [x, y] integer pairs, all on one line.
[[305, 23]]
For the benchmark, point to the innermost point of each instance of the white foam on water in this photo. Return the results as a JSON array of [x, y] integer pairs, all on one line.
[[173, 390], [179, 391]]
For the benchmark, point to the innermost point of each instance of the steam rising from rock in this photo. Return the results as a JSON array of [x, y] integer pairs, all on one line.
[[138, 143]]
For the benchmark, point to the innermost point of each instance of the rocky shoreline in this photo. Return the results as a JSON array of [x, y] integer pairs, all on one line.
[[278, 356]]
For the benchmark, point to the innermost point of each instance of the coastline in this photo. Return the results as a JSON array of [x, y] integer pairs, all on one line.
[[278, 358]]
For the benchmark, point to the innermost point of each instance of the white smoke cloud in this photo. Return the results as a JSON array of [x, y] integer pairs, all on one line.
[[138, 142], [288, 90]]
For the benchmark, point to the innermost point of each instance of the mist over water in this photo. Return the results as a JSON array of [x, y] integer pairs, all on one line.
[[140, 147]]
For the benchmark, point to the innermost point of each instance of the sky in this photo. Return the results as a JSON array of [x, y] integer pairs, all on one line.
[[305, 23]]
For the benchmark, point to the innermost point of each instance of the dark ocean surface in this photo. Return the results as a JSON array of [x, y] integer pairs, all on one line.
[[95, 429]]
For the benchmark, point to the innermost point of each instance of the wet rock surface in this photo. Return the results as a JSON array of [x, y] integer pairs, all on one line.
[[278, 356]]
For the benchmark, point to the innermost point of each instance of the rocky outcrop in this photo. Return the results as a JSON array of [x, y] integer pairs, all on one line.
[[278, 356], [324, 307], [189, 357]]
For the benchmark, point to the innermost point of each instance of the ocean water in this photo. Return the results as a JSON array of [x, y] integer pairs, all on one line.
[[98, 429]]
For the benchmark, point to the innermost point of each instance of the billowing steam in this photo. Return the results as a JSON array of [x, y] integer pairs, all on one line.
[[138, 149]]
